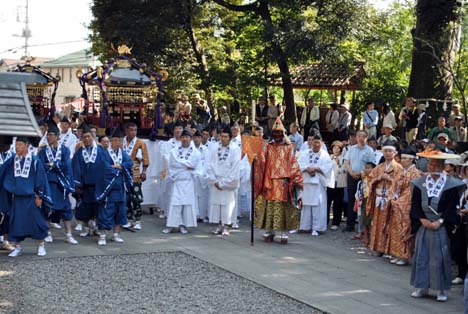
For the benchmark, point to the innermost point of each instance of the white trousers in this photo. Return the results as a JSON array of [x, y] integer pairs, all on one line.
[[168, 188], [221, 213], [181, 215], [203, 202], [313, 218]]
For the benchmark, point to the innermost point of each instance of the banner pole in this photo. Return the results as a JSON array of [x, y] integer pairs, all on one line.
[[252, 212]]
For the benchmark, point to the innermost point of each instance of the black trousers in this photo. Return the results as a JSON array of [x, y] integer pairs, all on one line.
[[4, 226], [458, 244], [351, 215], [335, 196], [134, 200]]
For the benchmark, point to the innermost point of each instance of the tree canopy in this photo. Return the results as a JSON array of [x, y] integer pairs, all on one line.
[[230, 50]]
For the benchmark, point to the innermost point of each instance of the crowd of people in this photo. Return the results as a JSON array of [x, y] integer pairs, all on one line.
[[404, 197]]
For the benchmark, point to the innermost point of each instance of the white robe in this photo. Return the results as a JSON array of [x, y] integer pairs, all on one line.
[[69, 140], [244, 197], [235, 213], [166, 183], [183, 201], [157, 165], [314, 195], [43, 140], [201, 184], [226, 173]]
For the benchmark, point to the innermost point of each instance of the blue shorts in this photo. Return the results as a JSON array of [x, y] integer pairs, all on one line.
[[57, 215], [111, 214]]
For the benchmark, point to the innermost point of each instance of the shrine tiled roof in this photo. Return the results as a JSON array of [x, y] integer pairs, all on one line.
[[327, 75], [16, 116]]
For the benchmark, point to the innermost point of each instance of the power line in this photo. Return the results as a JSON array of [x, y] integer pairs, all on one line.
[[46, 44]]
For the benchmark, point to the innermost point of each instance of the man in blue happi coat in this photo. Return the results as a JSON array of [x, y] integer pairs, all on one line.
[[115, 178], [25, 182], [86, 164], [5, 154], [57, 164]]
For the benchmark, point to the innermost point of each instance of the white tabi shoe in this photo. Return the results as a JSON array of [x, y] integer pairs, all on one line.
[[49, 238], [167, 230], [70, 239], [282, 239], [41, 250], [315, 233], [394, 260], [268, 236], [218, 230], [117, 239], [56, 225], [78, 227], [457, 281], [420, 293], [235, 225], [7, 246], [183, 230], [137, 226], [127, 225], [401, 262], [441, 296], [85, 232], [16, 251], [102, 240]]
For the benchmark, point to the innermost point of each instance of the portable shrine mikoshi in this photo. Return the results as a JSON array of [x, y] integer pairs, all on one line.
[[41, 89], [129, 92]]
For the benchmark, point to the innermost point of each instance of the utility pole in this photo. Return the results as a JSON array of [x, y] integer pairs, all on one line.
[[26, 33]]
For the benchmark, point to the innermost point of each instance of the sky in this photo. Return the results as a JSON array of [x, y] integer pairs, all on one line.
[[51, 21], [61, 23]]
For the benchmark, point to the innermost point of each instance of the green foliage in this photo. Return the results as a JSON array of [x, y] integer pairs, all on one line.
[[383, 40], [237, 52]]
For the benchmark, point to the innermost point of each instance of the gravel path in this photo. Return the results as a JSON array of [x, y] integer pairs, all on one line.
[[169, 282]]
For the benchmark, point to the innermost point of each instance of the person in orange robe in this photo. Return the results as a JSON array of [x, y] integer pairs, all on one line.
[[378, 205], [401, 242], [276, 183]]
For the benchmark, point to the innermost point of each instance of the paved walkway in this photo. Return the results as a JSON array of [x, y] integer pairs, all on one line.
[[330, 272]]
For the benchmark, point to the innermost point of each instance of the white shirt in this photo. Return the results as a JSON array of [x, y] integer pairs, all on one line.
[[224, 169]]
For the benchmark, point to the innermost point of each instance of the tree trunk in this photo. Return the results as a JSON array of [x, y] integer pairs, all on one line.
[[203, 70], [261, 9], [281, 60], [433, 49]]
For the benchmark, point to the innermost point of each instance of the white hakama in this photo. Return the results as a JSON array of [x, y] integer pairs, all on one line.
[[223, 169], [183, 204], [314, 195], [166, 182]]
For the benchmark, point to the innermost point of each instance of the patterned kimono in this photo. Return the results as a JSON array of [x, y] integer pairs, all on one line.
[[379, 205], [401, 245], [138, 153], [432, 264], [277, 174]]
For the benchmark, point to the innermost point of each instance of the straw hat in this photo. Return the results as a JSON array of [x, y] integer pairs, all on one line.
[[436, 154]]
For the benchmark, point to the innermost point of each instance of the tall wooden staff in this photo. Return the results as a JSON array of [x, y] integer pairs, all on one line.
[[252, 146]]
